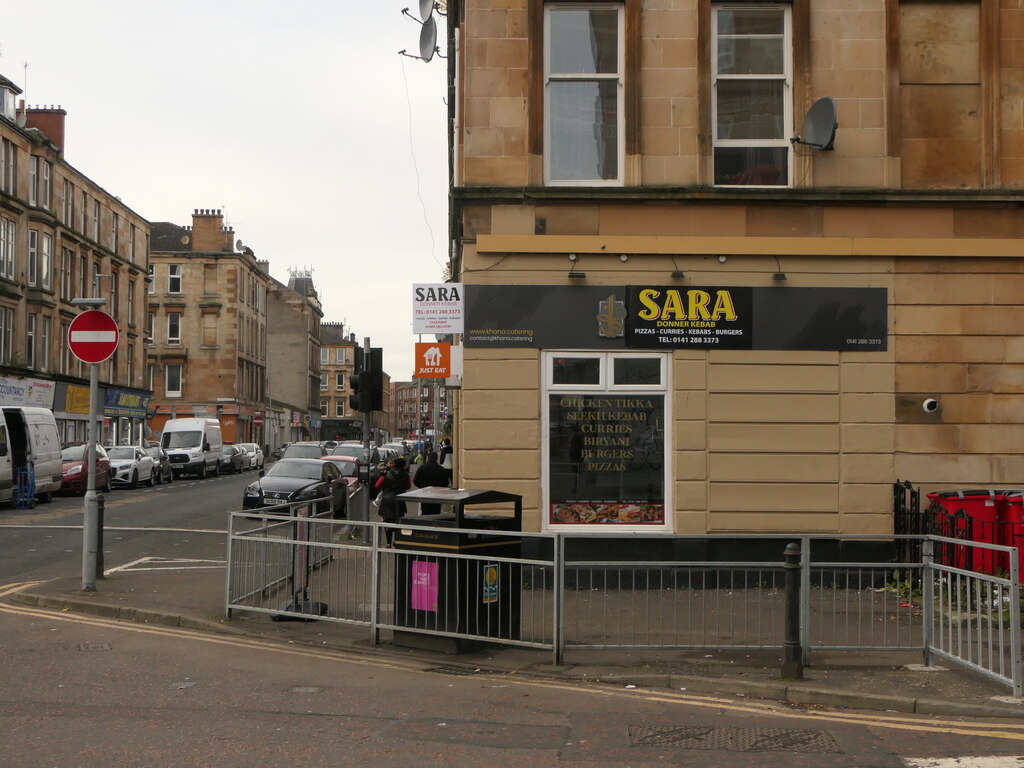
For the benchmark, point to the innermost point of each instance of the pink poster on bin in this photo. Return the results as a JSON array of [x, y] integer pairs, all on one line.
[[424, 586]]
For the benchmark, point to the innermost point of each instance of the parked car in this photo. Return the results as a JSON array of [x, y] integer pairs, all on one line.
[[131, 465], [304, 451], [369, 458], [277, 452], [75, 473], [349, 468], [231, 459], [164, 473], [255, 453], [291, 480], [403, 449]]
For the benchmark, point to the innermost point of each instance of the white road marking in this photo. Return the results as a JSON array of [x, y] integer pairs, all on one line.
[[167, 564], [992, 761]]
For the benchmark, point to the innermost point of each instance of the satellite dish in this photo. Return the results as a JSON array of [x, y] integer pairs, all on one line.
[[22, 119], [239, 245], [428, 39], [426, 8], [819, 128]]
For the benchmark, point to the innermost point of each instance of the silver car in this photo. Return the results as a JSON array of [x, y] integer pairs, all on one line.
[[255, 453]]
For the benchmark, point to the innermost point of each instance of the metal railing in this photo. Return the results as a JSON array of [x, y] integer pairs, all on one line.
[[533, 594]]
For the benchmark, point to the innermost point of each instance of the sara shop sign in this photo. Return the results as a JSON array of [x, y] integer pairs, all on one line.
[[667, 317]]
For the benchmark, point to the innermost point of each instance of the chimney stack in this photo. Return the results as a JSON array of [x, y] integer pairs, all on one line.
[[49, 120], [208, 232]]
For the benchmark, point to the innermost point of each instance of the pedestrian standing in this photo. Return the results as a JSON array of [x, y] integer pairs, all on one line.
[[430, 475], [390, 484], [447, 459]]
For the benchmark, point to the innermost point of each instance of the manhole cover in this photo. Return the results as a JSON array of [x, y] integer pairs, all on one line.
[[733, 739], [94, 647]]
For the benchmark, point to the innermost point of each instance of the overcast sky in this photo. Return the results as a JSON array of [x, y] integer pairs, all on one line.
[[299, 120]]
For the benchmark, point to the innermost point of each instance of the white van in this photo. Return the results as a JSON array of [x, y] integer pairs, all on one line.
[[29, 452], [193, 446]]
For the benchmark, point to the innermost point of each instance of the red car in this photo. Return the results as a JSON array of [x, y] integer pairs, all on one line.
[[75, 475], [349, 466]]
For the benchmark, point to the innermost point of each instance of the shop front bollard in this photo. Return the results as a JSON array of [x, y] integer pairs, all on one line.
[[792, 660]]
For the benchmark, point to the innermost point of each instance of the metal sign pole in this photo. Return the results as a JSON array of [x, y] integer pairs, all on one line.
[[367, 531], [91, 535]]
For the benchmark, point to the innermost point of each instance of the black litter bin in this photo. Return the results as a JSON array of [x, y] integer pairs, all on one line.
[[438, 593]]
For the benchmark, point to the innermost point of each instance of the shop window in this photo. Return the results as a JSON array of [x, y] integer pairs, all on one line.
[[605, 455], [584, 65], [752, 95]]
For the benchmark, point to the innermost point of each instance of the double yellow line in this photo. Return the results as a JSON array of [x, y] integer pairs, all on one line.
[[1011, 731]]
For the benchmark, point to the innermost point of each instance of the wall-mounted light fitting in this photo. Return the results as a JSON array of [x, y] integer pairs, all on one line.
[[577, 275], [623, 257], [573, 273], [678, 274], [780, 276], [722, 259]]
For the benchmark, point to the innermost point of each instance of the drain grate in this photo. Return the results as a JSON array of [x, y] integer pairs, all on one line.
[[733, 739], [463, 671], [95, 647]]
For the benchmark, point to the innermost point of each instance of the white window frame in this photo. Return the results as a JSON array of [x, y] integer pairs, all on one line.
[[174, 278], [175, 338], [179, 368], [786, 76], [557, 77], [46, 261], [8, 235], [339, 381], [325, 355], [323, 382], [96, 220], [47, 192], [30, 340], [33, 257], [665, 388], [6, 334], [339, 408], [151, 283], [44, 343], [33, 180], [339, 355]]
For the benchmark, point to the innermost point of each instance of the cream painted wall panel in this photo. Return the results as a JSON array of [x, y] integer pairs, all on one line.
[[774, 497], [505, 374], [927, 438], [936, 321], [771, 468], [512, 220], [773, 523], [954, 290], [690, 406], [858, 524], [958, 470], [482, 433], [692, 495], [993, 438], [773, 378], [784, 438], [774, 408], [868, 378], [859, 499], [868, 438], [690, 435], [689, 374], [867, 468], [499, 465], [690, 522], [690, 465], [516, 404], [865, 408]]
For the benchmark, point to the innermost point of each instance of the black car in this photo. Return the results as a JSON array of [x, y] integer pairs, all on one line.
[[291, 480], [231, 459], [162, 472]]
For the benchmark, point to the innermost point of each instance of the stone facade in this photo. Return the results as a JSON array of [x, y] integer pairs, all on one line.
[[919, 197], [207, 320]]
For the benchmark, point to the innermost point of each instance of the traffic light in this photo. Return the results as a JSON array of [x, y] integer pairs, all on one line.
[[355, 383], [367, 383]]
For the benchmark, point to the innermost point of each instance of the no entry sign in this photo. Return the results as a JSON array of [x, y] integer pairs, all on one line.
[[93, 336], [257, 420]]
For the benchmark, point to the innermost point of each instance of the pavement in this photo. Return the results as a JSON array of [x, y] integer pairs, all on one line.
[[193, 597]]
